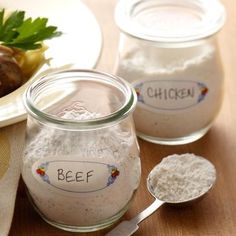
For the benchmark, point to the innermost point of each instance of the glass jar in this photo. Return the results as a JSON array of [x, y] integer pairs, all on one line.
[[168, 51], [81, 162]]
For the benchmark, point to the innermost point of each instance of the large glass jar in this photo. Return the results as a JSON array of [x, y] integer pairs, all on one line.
[[81, 163], [168, 51]]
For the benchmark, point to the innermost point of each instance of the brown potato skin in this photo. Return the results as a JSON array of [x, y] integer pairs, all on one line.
[[11, 76]]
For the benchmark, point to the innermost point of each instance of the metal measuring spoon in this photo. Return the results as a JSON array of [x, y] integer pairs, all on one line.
[[127, 228]]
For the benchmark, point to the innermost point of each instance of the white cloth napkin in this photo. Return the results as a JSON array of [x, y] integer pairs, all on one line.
[[11, 148]]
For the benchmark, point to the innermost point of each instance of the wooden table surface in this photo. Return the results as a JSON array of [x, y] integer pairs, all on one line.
[[216, 214]]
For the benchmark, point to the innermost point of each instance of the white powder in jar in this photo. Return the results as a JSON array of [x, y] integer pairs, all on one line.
[[112, 144], [181, 177], [177, 69]]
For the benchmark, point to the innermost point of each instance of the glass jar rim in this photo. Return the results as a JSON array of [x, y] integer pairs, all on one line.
[[114, 117], [212, 18]]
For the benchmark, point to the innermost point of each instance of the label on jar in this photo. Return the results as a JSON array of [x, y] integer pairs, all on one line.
[[170, 95], [76, 176]]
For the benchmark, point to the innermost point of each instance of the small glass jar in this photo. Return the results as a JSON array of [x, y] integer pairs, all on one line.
[[81, 162], [168, 51]]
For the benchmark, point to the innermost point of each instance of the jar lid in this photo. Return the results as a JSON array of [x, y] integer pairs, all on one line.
[[170, 20]]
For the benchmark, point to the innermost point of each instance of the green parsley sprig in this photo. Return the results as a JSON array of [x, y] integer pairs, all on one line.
[[25, 34]]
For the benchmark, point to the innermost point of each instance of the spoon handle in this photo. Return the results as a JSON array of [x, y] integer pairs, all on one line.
[[147, 212], [127, 228]]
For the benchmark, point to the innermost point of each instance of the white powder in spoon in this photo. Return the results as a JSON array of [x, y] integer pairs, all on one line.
[[181, 177]]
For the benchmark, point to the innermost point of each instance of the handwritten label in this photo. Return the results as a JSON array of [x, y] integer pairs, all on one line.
[[170, 94], [75, 176]]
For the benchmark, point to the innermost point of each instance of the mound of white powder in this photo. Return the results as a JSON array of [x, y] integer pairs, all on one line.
[[181, 177]]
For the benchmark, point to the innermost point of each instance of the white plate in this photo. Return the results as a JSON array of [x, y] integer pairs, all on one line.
[[78, 47]]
